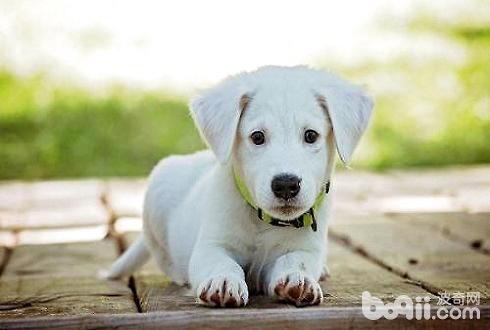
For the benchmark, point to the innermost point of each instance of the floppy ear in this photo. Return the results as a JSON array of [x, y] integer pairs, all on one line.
[[349, 110], [217, 113]]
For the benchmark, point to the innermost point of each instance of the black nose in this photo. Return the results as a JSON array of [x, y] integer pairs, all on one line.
[[285, 186]]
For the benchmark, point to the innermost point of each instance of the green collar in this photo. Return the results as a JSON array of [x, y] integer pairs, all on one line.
[[304, 220]]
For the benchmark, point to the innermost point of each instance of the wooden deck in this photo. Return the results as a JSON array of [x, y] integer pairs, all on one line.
[[422, 233]]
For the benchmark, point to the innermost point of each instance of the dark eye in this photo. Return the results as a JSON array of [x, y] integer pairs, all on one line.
[[258, 138], [311, 136]]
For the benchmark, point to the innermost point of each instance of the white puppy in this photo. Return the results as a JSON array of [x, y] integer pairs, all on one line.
[[251, 214]]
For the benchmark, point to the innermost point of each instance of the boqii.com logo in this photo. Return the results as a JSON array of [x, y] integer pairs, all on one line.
[[459, 305]]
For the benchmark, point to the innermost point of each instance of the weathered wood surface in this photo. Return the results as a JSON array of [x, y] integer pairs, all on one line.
[[420, 253], [351, 274], [79, 213], [53, 235], [297, 318], [469, 187], [413, 233], [51, 204], [16, 194], [62, 279], [448, 190], [472, 229]]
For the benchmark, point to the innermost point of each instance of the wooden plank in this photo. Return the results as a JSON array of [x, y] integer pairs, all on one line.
[[79, 213], [125, 197], [250, 318], [62, 279], [62, 259], [420, 253], [51, 204], [61, 235], [472, 229], [350, 276], [448, 181], [53, 235], [449, 190], [21, 195]]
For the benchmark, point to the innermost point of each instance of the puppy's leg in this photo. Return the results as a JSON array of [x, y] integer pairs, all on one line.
[[294, 278], [218, 279]]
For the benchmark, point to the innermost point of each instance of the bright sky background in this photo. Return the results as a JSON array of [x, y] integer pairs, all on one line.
[[186, 44]]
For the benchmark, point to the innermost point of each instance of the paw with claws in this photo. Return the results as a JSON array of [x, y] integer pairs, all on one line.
[[223, 291], [298, 289]]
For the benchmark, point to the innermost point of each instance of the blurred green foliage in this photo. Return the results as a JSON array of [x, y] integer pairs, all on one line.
[[48, 131], [429, 112]]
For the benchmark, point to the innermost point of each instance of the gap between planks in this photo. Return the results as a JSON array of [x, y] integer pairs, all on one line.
[[122, 246], [417, 252], [5, 254], [344, 241], [61, 279]]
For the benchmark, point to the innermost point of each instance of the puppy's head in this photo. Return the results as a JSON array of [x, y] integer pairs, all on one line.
[[280, 128]]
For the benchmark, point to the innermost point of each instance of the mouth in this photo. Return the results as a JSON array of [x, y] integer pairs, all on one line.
[[287, 209]]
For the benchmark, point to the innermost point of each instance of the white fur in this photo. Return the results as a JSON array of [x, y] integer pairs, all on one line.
[[196, 224]]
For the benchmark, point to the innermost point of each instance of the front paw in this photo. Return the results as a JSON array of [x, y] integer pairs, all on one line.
[[223, 291], [297, 288]]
